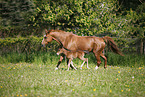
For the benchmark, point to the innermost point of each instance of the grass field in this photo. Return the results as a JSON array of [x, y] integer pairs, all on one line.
[[125, 76]]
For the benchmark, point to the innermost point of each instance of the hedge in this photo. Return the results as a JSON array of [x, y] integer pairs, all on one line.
[[25, 45], [33, 45]]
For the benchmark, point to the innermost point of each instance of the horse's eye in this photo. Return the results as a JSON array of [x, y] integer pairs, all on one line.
[[45, 37]]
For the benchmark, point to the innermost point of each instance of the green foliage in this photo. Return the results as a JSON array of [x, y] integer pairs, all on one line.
[[83, 17], [32, 45], [126, 60], [135, 16], [28, 45], [14, 14], [127, 44]]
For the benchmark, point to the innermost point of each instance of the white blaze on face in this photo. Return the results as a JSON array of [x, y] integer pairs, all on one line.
[[43, 40], [57, 53]]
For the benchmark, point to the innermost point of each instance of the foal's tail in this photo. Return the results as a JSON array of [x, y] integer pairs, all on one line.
[[112, 45]]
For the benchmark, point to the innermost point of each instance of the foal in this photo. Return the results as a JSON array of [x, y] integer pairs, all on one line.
[[71, 54]]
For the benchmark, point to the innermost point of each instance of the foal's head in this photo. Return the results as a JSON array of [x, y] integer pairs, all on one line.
[[60, 50]]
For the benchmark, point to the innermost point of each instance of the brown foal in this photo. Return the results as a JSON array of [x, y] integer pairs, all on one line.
[[71, 55]]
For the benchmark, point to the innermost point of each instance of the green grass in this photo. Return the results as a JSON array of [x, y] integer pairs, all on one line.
[[39, 77]]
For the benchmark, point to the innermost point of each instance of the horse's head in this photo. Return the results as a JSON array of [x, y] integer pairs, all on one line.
[[46, 39], [49, 37]]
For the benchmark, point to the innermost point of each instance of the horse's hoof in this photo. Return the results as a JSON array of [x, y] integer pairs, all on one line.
[[56, 68], [96, 67]]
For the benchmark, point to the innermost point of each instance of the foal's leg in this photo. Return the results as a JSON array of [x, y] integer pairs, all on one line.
[[85, 60], [59, 62], [72, 65], [69, 64], [82, 65], [87, 63], [105, 64]]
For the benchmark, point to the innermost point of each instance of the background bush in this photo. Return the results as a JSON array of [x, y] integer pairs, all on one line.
[[31, 45], [25, 45]]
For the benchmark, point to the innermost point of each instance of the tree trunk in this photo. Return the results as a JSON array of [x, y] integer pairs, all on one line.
[[144, 46], [141, 46]]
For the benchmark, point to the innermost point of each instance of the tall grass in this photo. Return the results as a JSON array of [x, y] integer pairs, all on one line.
[[51, 58], [127, 60], [20, 77]]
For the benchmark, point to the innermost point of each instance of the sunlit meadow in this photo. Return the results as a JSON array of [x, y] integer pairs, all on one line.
[[40, 79]]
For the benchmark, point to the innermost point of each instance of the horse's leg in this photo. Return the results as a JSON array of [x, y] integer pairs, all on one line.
[[60, 60], [97, 55], [105, 64]]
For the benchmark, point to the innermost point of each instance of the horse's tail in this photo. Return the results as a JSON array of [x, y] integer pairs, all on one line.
[[112, 45]]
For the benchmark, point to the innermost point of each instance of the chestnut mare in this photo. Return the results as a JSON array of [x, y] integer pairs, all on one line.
[[74, 42]]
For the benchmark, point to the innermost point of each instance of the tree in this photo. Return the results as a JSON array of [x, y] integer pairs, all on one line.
[[134, 13], [84, 17], [14, 15]]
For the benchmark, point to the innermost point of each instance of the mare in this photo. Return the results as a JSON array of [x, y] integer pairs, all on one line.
[[74, 42], [73, 54]]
